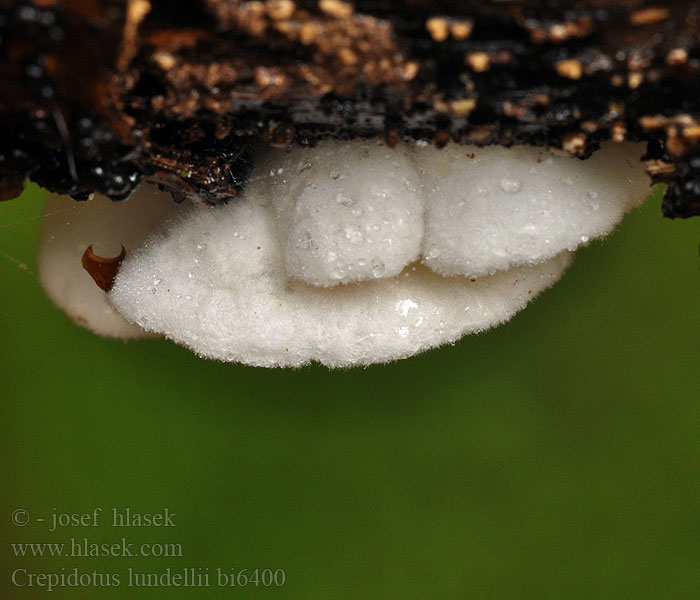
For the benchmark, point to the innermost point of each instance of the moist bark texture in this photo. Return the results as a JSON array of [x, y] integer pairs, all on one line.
[[99, 94]]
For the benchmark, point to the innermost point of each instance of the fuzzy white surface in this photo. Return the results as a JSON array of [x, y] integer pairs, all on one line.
[[489, 209], [345, 211], [349, 253], [216, 282], [70, 227]]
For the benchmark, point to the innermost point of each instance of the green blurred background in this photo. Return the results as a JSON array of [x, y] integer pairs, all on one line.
[[556, 456]]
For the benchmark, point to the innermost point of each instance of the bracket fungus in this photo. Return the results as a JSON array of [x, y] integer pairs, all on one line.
[[349, 253], [267, 114]]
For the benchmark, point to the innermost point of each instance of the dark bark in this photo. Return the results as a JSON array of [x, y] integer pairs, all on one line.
[[99, 94]]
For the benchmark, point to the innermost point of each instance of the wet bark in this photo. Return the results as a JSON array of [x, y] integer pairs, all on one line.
[[99, 94]]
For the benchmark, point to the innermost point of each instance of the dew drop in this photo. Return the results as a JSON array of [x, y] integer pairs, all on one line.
[[341, 198], [353, 235], [305, 242], [433, 252], [378, 268], [511, 186]]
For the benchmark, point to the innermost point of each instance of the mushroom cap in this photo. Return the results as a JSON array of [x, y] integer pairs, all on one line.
[[224, 292], [346, 211], [348, 253], [357, 210], [490, 209]]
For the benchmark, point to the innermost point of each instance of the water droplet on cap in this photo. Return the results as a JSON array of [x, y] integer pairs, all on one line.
[[511, 186], [341, 198], [378, 268]]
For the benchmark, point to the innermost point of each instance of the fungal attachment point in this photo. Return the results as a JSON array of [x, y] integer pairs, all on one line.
[[102, 270], [70, 227], [352, 253]]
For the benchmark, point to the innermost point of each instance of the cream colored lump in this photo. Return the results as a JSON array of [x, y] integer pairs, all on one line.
[[348, 254]]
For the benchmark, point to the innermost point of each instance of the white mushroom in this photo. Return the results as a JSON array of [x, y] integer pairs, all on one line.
[[351, 253], [345, 211], [224, 292], [492, 208]]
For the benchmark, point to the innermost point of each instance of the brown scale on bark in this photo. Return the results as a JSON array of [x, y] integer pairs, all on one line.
[[99, 94]]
